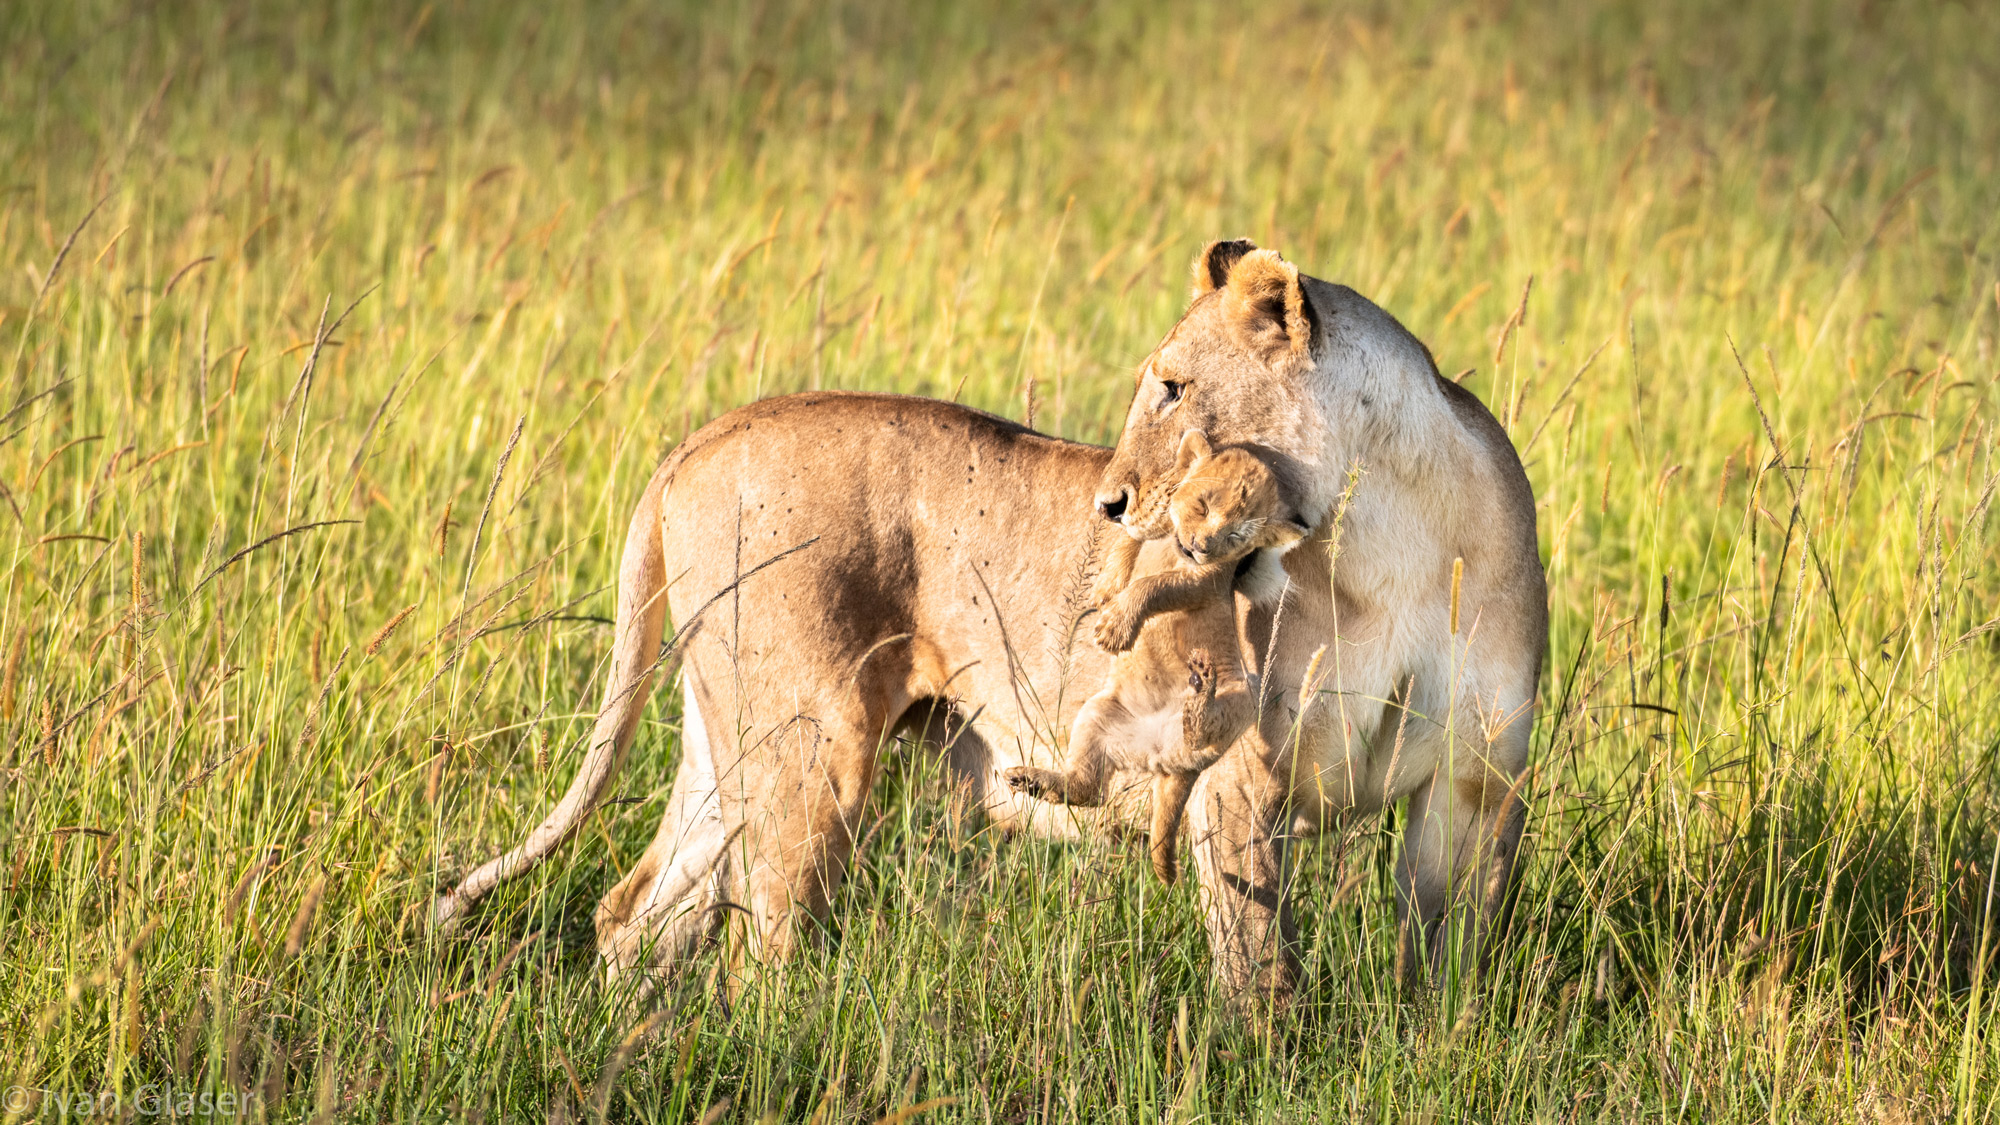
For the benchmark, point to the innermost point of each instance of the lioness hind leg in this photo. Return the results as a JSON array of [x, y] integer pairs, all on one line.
[[797, 829], [1458, 854], [659, 912], [671, 899]]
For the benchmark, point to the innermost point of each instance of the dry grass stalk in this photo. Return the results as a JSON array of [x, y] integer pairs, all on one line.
[[1311, 678], [383, 634], [243, 885], [295, 937], [910, 1111], [621, 1058], [1516, 319], [500, 1019], [434, 777], [492, 490], [441, 534], [136, 616], [138, 575], [49, 733], [10, 683], [1457, 580], [316, 714], [55, 267]]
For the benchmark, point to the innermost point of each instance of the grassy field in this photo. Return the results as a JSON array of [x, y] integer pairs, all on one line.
[[338, 343]]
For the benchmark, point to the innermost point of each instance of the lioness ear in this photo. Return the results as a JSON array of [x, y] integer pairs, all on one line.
[[1194, 447], [1267, 307], [1212, 265]]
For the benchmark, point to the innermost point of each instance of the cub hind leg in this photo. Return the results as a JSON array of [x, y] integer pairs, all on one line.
[[1085, 778], [1216, 712], [1170, 798]]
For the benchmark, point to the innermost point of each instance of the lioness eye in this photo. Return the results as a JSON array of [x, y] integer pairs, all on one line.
[[1170, 393]]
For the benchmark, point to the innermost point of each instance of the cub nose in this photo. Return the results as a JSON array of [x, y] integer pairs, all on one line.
[[1112, 505]]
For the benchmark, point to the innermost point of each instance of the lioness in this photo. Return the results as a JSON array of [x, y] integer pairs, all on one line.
[[1176, 633], [840, 564]]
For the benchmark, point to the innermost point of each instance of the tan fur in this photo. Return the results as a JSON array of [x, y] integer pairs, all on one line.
[[1173, 627], [1401, 706], [841, 567]]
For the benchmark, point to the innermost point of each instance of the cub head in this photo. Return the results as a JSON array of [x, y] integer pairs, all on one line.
[[1239, 366], [1227, 504]]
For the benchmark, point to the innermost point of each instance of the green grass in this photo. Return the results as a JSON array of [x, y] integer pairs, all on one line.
[[1762, 852]]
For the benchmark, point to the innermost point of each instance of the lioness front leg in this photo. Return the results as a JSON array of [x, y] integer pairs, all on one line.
[[1458, 853], [1236, 813]]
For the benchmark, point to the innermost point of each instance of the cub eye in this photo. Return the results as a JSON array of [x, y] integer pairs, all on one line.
[[1170, 393]]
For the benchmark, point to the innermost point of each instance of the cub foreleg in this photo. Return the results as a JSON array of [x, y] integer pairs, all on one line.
[[1119, 559], [1175, 591], [1219, 708]]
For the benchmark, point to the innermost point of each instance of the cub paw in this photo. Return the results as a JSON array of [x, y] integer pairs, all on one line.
[[1196, 717], [1105, 590], [1201, 673], [1044, 785], [1116, 629]]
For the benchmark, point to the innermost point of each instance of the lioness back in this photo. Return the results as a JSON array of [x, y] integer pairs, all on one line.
[[918, 536]]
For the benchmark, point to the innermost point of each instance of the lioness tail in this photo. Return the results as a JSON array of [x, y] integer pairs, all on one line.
[[635, 660]]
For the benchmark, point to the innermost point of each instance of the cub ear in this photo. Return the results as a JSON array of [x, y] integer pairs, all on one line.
[[1266, 306], [1212, 265], [1285, 533], [1194, 447]]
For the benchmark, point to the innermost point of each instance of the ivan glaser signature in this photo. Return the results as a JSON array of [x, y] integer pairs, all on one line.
[[154, 1099]]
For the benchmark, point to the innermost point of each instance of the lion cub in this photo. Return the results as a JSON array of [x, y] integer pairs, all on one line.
[[1175, 633]]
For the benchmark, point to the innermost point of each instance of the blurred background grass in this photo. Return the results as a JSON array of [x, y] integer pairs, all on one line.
[[459, 275]]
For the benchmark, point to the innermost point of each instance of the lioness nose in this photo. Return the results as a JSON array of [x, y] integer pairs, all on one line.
[[1112, 505]]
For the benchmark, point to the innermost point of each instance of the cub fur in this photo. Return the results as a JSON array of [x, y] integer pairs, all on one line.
[[1225, 508]]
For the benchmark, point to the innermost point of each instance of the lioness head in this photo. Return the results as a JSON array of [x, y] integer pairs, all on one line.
[[1312, 378], [1227, 504], [1236, 366]]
